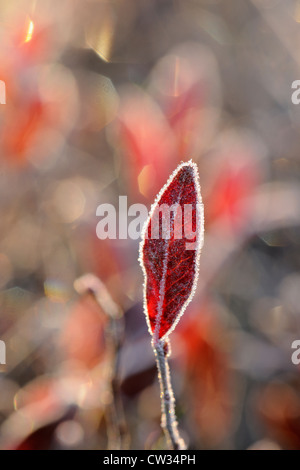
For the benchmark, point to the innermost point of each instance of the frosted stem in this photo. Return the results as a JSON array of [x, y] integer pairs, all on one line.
[[168, 417]]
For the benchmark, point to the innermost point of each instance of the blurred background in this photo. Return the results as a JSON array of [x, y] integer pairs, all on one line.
[[105, 98]]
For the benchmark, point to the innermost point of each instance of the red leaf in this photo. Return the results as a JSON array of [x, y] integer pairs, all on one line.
[[170, 250], [146, 140]]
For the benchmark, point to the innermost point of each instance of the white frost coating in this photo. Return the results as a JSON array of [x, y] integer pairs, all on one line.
[[199, 244]]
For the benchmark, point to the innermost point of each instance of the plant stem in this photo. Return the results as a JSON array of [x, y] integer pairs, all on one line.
[[168, 416], [118, 437]]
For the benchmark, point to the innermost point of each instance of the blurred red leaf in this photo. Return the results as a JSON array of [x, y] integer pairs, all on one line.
[[147, 142], [235, 174], [279, 409], [39, 408], [208, 374], [20, 131], [231, 187], [83, 337], [185, 84]]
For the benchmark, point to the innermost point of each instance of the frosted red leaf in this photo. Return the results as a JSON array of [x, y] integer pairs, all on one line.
[[170, 250]]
